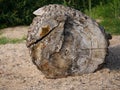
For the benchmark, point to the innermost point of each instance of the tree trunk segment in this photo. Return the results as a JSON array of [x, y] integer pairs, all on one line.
[[63, 41]]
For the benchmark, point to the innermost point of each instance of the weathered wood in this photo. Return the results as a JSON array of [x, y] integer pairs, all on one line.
[[63, 41]]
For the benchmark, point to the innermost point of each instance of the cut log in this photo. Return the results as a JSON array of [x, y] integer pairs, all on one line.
[[63, 41]]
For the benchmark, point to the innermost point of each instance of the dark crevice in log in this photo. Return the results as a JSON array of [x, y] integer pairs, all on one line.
[[38, 40]]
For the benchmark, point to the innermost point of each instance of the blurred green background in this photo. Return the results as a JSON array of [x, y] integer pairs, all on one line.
[[19, 12]]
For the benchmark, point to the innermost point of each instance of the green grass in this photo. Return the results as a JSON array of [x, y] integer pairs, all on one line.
[[4, 40], [111, 25], [108, 17]]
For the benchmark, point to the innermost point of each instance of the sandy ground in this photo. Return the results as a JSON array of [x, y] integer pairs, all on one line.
[[17, 71]]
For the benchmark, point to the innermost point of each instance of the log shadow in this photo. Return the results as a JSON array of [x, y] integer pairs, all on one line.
[[112, 60]]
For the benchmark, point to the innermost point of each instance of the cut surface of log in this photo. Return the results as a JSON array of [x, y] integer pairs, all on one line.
[[63, 41]]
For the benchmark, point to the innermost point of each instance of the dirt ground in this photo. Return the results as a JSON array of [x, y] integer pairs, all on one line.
[[17, 72]]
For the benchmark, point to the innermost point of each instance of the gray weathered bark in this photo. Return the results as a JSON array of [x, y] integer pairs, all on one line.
[[63, 41]]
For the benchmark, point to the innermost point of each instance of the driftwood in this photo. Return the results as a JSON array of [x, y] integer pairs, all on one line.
[[63, 41]]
